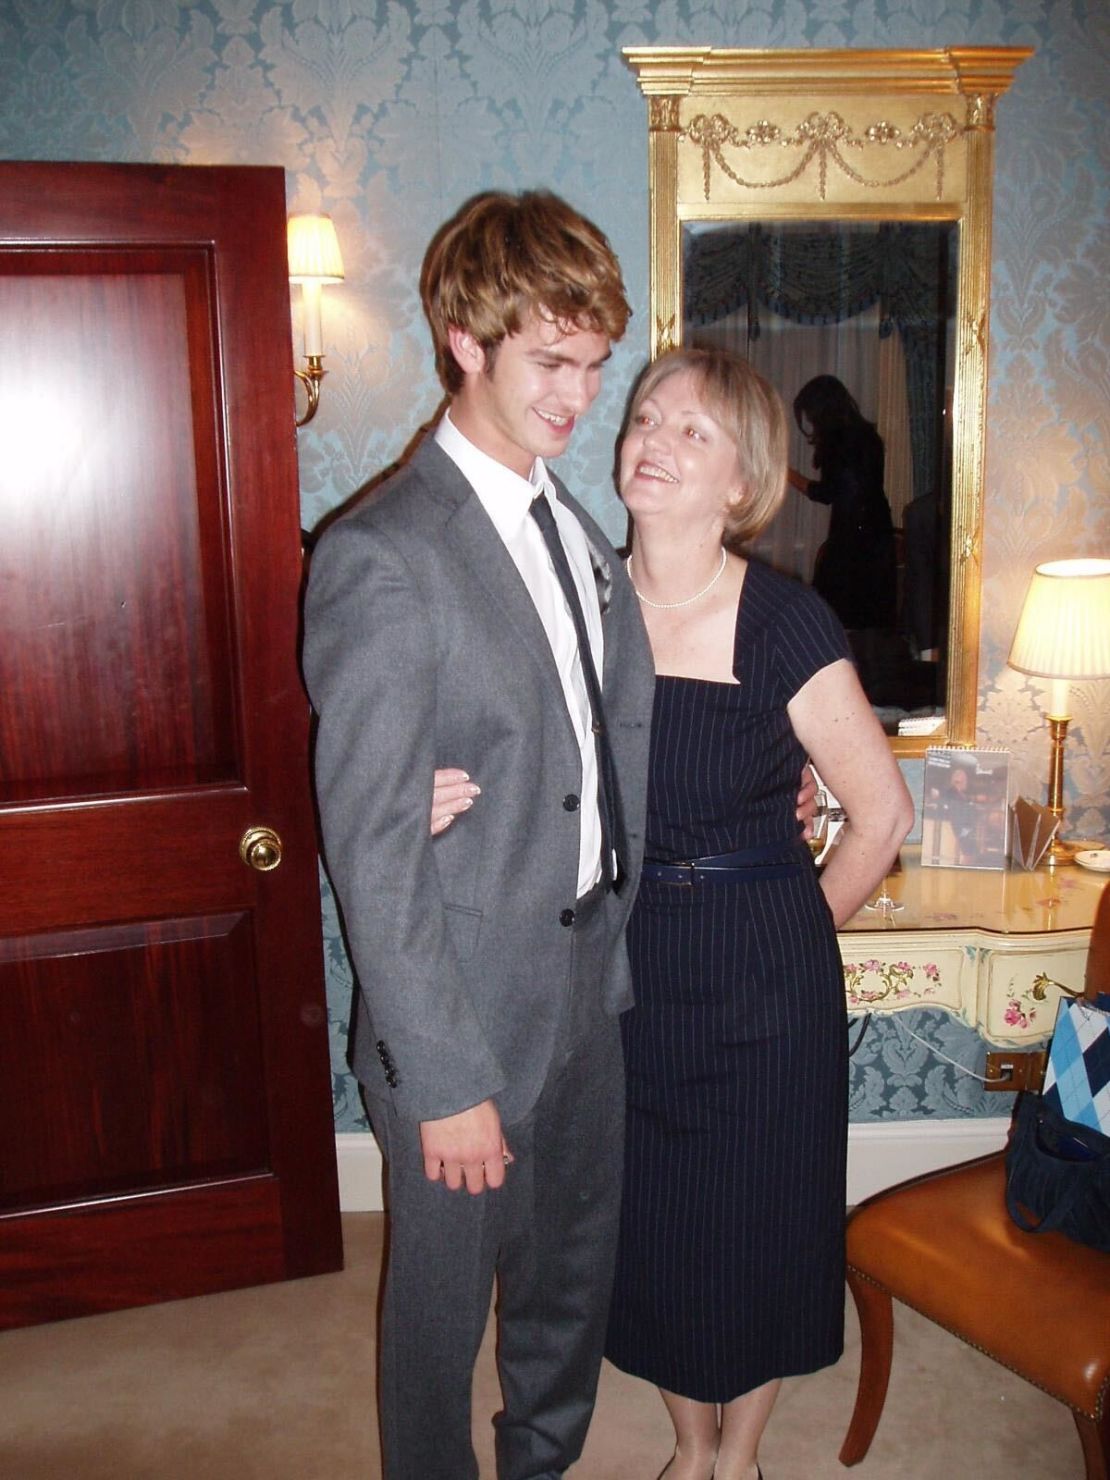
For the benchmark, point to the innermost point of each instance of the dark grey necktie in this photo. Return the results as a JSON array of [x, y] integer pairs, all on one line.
[[614, 839]]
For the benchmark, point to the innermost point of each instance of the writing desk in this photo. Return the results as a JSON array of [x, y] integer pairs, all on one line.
[[996, 949]]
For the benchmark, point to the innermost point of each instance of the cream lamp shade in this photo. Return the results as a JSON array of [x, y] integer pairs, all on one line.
[[314, 254], [1064, 628]]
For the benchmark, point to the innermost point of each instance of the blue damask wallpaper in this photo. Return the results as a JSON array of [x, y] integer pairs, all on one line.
[[389, 113]]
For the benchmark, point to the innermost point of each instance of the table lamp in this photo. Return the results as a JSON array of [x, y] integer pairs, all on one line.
[[1063, 633]]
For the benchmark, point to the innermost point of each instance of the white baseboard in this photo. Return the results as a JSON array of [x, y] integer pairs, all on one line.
[[883, 1153], [879, 1154], [360, 1172]]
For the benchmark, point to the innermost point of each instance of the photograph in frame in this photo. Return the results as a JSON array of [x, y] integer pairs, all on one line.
[[966, 808]]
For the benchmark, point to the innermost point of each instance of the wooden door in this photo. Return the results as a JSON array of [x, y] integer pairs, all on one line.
[[165, 1105]]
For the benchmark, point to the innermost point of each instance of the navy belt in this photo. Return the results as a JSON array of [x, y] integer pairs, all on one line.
[[769, 861]]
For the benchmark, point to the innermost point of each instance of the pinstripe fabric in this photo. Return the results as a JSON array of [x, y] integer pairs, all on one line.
[[730, 1269]]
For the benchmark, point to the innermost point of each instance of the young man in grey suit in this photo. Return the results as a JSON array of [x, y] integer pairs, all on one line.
[[490, 958]]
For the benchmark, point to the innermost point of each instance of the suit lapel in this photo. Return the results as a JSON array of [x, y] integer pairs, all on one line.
[[607, 572], [601, 553], [470, 535]]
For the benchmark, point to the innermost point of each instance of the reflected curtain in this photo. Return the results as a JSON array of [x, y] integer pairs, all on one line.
[[789, 354], [824, 275]]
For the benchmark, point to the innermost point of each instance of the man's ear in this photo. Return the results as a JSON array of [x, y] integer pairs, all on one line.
[[469, 354]]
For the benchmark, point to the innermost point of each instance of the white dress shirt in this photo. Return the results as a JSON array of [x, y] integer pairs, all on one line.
[[505, 496]]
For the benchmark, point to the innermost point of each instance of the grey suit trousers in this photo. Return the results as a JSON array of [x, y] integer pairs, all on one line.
[[548, 1235]]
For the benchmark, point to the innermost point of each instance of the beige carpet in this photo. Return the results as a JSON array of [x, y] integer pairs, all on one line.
[[278, 1383]]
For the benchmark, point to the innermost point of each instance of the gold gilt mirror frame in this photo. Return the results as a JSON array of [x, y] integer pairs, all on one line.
[[867, 139]]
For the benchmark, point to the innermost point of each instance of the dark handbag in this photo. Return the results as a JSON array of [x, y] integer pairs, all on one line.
[[1058, 1175]]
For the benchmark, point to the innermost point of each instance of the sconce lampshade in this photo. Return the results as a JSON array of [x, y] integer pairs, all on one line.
[[314, 254], [1064, 628]]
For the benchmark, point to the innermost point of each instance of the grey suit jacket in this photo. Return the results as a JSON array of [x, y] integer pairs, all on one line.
[[422, 649]]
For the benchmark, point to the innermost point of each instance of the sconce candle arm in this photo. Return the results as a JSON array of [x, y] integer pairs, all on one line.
[[310, 378]]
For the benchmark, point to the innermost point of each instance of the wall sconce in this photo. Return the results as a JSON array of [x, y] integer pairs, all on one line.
[[314, 259], [1063, 633]]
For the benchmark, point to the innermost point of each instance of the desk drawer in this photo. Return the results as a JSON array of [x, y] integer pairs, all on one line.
[[1020, 987], [892, 972]]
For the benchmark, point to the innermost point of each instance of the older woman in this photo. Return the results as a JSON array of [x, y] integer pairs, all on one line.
[[730, 1271]]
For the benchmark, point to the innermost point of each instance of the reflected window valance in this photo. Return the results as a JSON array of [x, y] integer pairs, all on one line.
[[810, 274]]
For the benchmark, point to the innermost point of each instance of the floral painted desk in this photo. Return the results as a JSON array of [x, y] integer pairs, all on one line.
[[995, 949]]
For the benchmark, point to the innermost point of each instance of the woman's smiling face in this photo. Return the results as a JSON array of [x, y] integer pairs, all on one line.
[[676, 458]]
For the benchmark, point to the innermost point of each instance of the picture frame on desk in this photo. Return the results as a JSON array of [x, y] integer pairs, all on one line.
[[965, 814]]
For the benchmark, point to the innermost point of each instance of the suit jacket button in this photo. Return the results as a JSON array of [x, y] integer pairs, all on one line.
[[567, 917], [571, 802]]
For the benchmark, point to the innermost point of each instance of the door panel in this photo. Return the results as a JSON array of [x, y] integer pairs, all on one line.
[[156, 1076], [112, 505], [165, 1105]]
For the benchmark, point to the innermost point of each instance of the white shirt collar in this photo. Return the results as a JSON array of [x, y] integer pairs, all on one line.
[[503, 494]]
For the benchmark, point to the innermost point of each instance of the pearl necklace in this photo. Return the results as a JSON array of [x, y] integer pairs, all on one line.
[[673, 605]]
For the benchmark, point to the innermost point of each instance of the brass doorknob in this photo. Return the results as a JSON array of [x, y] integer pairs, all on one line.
[[260, 848]]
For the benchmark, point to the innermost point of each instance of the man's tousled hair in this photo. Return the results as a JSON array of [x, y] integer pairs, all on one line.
[[502, 258]]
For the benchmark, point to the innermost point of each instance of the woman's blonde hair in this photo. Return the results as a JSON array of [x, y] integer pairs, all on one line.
[[504, 257], [750, 411]]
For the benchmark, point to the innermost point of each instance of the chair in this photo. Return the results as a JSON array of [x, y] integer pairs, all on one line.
[[945, 1245]]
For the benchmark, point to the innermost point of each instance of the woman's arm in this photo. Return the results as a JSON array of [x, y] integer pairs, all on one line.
[[453, 793], [833, 720]]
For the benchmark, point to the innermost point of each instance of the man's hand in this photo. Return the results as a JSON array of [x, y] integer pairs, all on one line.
[[466, 1148]]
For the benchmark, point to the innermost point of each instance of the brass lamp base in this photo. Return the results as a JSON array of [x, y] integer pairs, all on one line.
[[1059, 852]]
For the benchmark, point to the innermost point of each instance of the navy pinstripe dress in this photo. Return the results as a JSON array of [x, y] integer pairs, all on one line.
[[730, 1267]]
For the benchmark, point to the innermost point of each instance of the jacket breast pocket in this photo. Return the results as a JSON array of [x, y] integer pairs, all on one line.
[[463, 926]]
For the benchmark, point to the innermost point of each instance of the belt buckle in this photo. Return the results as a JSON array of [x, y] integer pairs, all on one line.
[[691, 869]]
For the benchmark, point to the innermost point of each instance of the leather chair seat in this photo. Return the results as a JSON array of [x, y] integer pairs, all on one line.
[[1037, 1303]]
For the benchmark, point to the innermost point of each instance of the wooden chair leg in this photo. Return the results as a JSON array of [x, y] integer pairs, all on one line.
[[1095, 1438], [876, 1324]]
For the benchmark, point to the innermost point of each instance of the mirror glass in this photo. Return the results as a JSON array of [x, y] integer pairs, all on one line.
[[853, 321], [828, 214]]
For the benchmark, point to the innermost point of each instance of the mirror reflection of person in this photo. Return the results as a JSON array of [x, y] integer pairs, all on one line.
[[730, 1267], [855, 570]]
